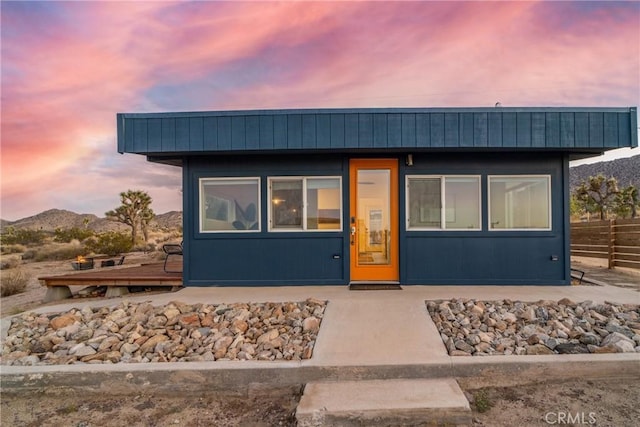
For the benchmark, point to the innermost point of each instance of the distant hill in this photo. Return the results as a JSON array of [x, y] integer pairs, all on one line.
[[626, 171], [58, 218]]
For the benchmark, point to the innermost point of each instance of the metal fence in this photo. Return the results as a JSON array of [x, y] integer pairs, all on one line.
[[617, 241]]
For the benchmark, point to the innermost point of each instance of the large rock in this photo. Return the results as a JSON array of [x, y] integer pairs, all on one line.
[[60, 322]]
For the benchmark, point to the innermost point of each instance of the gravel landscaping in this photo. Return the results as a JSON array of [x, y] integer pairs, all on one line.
[[176, 332], [481, 328]]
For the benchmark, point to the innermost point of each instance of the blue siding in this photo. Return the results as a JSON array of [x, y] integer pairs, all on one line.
[[224, 133], [253, 133], [351, 130], [394, 131], [423, 130], [509, 130], [309, 131], [365, 130], [168, 135], [182, 134], [337, 130], [427, 257], [437, 130], [266, 132], [294, 131], [480, 130], [589, 130], [210, 134], [380, 130]]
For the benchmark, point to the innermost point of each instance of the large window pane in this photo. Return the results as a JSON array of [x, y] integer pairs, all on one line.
[[286, 204], [323, 204], [305, 203], [462, 203], [425, 203], [444, 202], [519, 202], [229, 204]]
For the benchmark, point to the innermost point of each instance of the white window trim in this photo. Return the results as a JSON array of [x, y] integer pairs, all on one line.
[[443, 216], [549, 198], [201, 181], [304, 229]]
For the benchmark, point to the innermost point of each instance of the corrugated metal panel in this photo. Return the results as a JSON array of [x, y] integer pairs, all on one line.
[[360, 129]]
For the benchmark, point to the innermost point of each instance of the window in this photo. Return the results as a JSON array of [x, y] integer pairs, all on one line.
[[443, 202], [304, 203], [520, 202], [229, 204]]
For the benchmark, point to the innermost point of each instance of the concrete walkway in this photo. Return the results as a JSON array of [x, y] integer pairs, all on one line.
[[366, 336]]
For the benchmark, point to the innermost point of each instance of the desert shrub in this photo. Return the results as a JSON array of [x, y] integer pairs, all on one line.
[[58, 252], [54, 252], [13, 282], [22, 236], [13, 249], [9, 262], [68, 234], [482, 401], [111, 243], [145, 247]]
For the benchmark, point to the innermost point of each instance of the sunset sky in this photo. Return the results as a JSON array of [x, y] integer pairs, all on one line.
[[69, 67]]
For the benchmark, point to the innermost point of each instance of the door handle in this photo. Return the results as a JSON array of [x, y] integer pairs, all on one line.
[[353, 235]]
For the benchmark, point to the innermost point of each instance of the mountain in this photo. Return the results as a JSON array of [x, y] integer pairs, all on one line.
[[59, 218], [626, 171]]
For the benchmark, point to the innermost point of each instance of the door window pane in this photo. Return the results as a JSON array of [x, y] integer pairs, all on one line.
[[519, 202], [373, 220], [229, 204]]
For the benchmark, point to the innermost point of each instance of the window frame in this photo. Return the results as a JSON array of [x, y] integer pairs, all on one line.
[[203, 180], [304, 227], [549, 199], [443, 207]]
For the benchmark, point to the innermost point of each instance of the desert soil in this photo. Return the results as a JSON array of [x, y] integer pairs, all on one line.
[[576, 402]]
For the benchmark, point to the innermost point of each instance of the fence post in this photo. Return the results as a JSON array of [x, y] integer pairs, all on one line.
[[611, 243]]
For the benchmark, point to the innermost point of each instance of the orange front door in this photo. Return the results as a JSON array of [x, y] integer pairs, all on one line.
[[373, 219]]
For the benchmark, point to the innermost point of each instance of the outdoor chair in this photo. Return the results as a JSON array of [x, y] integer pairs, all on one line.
[[171, 249], [112, 262]]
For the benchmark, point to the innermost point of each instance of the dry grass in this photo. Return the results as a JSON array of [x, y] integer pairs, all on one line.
[[13, 282], [55, 252]]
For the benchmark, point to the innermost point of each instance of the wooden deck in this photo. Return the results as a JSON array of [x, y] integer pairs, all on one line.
[[143, 275]]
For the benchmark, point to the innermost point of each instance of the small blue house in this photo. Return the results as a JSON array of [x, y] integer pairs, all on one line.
[[419, 196]]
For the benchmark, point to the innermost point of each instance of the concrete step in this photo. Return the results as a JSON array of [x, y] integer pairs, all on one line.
[[394, 402]]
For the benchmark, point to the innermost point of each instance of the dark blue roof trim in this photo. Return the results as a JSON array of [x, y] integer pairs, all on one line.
[[557, 129]]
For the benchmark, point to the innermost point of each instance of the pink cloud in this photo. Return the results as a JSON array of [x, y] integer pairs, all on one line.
[[69, 67]]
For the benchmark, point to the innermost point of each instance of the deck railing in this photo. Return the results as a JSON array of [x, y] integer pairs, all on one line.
[[617, 241]]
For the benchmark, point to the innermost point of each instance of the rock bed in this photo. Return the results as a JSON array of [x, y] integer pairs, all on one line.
[[480, 328], [176, 332]]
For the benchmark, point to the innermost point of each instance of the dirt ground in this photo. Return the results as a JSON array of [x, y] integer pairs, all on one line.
[[578, 402], [574, 403], [596, 403], [93, 411]]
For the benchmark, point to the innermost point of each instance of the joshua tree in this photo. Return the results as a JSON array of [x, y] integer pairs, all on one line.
[[598, 194], [627, 202], [135, 211]]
